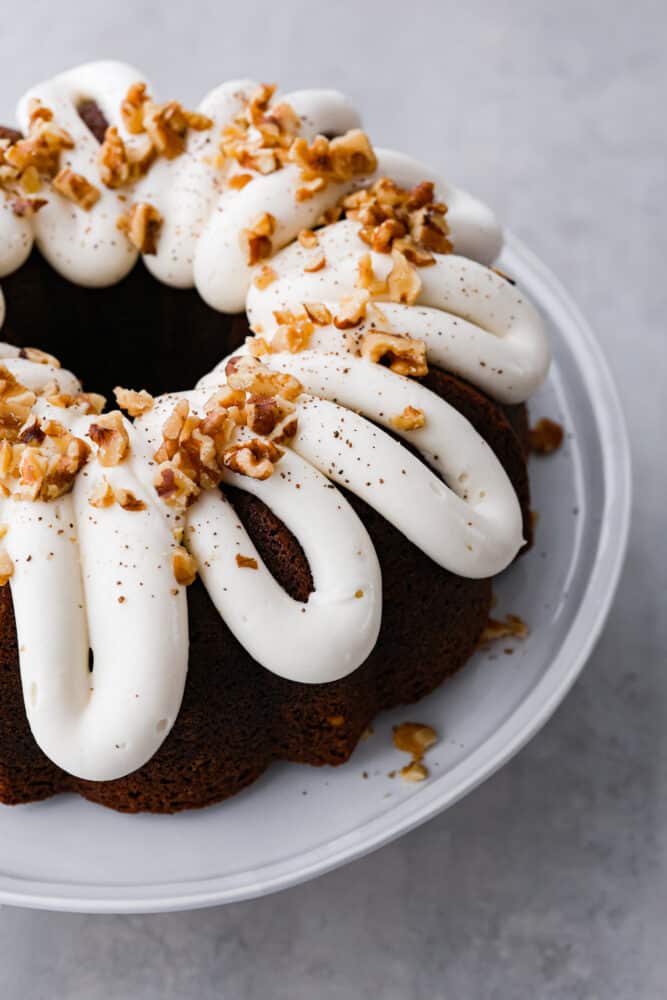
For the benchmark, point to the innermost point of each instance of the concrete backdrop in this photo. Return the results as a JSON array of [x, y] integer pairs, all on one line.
[[550, 880]]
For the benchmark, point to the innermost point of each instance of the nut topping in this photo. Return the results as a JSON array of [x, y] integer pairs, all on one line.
[[404, 355], [409, 420], [133, 402], [110, 435], [76, 188], [254, 458], [256, 240], [142, 225], [185, 566]]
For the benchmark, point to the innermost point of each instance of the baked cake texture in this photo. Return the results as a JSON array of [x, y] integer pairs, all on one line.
[[334, 496]]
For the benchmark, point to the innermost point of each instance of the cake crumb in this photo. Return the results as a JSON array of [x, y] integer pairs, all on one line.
[[513, 626]]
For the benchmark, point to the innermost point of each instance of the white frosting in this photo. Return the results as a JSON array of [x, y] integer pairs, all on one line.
[[199, 243], [336, 629], [101, 580], [474, 322], [73, 562]]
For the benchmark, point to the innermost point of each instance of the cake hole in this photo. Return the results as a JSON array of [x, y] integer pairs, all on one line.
[[91, 661], [33, 695], [162, 725], [93, 118]]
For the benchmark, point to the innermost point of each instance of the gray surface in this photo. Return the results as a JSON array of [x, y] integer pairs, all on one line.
[[549, 881]]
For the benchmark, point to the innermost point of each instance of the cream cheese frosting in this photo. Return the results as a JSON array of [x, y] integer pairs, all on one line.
[[103, 577], [203, 217]]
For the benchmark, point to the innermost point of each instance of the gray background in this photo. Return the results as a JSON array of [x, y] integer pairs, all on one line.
[[550, 880]]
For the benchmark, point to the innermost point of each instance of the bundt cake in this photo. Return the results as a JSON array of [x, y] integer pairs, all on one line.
[[253, 568]]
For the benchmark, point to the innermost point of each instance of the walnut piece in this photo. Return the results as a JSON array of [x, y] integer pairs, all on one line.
[[254, 458], [246, 562], [174, 487], [395, 218], [404, 355], [249, 374], [102, 494], [110, 435], [185, 566], [264, 277], [403, 282], [133, 402], [414, 738], [142, 226], [76, 188], [414, 771], [351, 310], [256, 240], [409, 420]]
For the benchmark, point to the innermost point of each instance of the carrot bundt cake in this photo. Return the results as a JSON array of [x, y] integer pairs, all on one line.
[[293, 521]]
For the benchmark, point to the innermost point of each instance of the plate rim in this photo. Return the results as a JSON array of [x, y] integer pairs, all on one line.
[[506, 741]]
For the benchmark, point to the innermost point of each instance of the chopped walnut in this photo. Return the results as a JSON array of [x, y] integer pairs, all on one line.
[[414, 738], [44, 462], [76, 188], [308, 239], [513, 627], [257, 346], [132, 108], [185, 566], [112, 160], [260, 136], [409, 420], [265, 413], [546, 436], [394, 218], [37, 155], [102, 494], [110, 435], [238, 181], [318, 313], [403, 282], [254, 458], [323, 160], [87, 402], [246, 562], [264, 277], [367, 279], [351, 310], [256, 240], [293, 333], [16, 402], [404, 355], [317, 264], [251, 375], [142, 225], [133, 402], [127, 499], [174, 487], [38, 357], [6, 568], [414, 771]]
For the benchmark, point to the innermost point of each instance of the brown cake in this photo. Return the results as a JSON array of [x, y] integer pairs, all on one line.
[[379, 301]]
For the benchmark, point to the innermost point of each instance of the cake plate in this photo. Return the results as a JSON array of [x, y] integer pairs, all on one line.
[[298, 822]]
